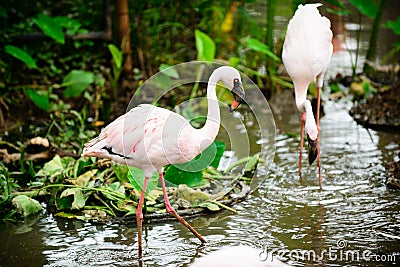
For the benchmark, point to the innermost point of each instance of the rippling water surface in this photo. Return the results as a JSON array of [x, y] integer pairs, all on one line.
[[355, 214]]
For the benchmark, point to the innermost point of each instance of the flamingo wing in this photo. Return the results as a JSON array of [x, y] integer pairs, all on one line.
[[308, 44], [146, 136]]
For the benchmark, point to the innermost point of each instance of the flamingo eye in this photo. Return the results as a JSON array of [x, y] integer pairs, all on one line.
[[236, 80]]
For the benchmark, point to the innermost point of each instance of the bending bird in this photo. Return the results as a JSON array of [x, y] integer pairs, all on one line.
[[307, 51], [150, 137]]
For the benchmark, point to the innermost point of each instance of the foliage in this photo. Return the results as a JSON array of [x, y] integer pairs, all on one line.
[[76, 82], [393, 25], [205, 47], [190, 173], [117, 57], [84, 188], [368, 8], [21, 55]]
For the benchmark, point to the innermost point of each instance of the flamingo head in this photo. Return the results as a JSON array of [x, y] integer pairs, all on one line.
[[238, 94], [312, 149], [231, 78]]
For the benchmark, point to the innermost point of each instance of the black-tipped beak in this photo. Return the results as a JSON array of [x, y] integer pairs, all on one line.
[[312, 150], [238, 95]]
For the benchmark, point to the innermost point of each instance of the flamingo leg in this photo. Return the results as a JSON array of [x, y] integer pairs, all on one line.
[[139, 216], [302, 122], [318, 139], [173, 212]]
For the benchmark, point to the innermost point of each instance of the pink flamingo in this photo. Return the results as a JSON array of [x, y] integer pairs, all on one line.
[[150, 137], [307, 51]]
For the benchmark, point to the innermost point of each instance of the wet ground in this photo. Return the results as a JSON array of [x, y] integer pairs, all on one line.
[[353, 221]]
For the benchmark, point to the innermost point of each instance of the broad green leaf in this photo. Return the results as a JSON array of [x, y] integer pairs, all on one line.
[[136, 179], [209, 157], [79, 199], [51, 27], [52, 168], [116, 186], [76, 82], [178, 176], [26, 205], [169, 71], [39, 98], [194, 197], [366, 7], [21, 55], [121, 171], [83, 179], [190, 173], [220, 146], [116, 55], [205, 46], [258, 46], [393, 25]]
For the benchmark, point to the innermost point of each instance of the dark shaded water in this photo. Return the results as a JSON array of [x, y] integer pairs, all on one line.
[[355, 214]]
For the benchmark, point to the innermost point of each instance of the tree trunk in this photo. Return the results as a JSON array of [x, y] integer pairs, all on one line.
[[123, 34], [371, 53]]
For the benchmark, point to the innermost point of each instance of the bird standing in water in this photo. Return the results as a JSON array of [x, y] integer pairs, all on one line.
[[150, 137], [307, 51]]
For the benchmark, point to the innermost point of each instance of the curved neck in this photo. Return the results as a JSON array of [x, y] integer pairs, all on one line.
[[211, 127], [311, 126]]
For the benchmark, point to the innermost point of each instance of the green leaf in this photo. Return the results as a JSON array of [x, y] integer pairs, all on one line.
[[51, 27], [79, 199], [366, 7], [169, 71], [193, 196], [83, 179], [39, 98], [26, 205], [21, 55], [258, 46], [72, 25], [52, 168], [393, 25], [116, 55], [76, 82], [205, 46], [220, 146], [190, 173], [178, 176], [136, 179]]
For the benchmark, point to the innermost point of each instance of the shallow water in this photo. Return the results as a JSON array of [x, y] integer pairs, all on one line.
[[354, 220]]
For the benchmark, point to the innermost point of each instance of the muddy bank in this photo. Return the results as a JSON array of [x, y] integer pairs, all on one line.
[[381, 111]]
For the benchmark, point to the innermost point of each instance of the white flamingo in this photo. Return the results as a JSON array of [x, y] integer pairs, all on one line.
[[307, 51], [149, 137]]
